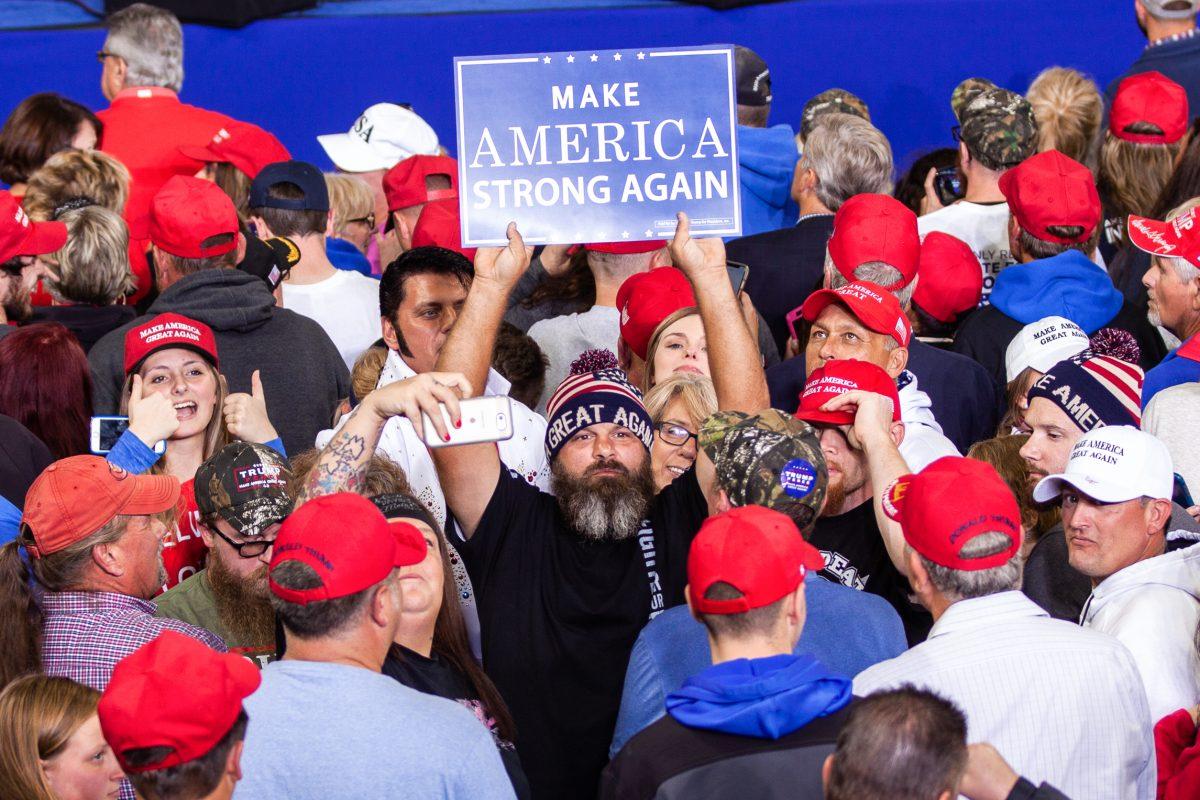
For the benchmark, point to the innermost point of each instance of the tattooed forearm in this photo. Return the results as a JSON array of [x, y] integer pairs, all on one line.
[[342, 465]]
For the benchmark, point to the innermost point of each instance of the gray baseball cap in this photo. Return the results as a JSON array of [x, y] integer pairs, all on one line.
[[1179, 9]]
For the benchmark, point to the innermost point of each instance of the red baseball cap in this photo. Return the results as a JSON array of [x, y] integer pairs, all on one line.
[[185, 212], [176, 693], [246, 146], [875, 227], [349, 544], [758, 551], [627, 248], [870, 303], [1153, 98], [1052, 189], [951, 277], [404, 184], [1178, 238], [837, 377], [168, 330], [77, 496], [20, 236], [948, 504], [645, 299], [438, 225]]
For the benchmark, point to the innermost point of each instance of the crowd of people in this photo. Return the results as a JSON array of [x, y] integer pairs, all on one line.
[[890, 497]]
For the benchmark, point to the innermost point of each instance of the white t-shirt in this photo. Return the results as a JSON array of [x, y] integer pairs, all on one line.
[[983, 227], [346, 305], [563, 339]]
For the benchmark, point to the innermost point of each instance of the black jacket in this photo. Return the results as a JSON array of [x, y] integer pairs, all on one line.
[[669, 761], [786, 266], [88, 323], [303, 374]]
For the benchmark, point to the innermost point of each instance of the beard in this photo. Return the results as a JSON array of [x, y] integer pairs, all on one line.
[[18, 305], [1154, 317], [242, 602], [606, 509], [835, 498]]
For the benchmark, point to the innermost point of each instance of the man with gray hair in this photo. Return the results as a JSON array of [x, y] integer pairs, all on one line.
[[142, 60], [1017, 674], [1172, 46], [843, 156], [1173, 286]]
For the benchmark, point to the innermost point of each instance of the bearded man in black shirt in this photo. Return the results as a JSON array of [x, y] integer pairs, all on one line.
[[563, 582]]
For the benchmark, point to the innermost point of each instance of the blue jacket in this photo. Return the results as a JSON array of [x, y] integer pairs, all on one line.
[[1066, 285], [1171, 371], [846, 630], [762, 697], [344, 255], [767, 159]]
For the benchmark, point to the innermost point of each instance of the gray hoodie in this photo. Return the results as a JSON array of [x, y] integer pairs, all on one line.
[[303, 375], [1153, 608]]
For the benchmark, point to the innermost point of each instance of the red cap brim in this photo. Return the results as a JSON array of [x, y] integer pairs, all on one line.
[[152, 494], [201, 153], [44, 237], [825, 417]]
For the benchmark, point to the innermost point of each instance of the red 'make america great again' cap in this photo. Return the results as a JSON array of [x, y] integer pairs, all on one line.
[[177, 694], [20, 236], [1052, 190], [871, 304], [168, 330], [185, 214], [945, 506], [875, 227], [347, 542], [246, 146], [757, 551], [645, 299]]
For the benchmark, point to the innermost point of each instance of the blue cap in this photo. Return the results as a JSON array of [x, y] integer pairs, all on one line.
[[302, 174]]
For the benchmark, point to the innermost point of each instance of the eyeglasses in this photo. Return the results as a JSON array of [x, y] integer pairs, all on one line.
[[368, 220], [244, 549], [673, 434], [103, 54]]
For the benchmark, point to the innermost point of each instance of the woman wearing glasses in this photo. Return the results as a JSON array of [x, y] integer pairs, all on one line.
[[678, 405], [176, 398]]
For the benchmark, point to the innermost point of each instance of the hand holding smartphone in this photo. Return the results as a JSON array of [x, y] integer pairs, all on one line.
[[107, 430], [484, 419]]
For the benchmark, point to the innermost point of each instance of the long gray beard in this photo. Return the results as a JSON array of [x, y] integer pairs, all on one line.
[[610, 510]]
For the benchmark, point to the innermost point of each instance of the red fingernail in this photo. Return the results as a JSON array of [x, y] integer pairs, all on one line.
[[447, 437], [458, 424]]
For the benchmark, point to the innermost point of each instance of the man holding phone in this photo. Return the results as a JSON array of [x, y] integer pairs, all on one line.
[[565, 581]]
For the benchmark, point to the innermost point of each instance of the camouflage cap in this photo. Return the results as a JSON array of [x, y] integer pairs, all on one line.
[[967, 91], [246, 485], [769, 459], [999, 129], [831, 101]]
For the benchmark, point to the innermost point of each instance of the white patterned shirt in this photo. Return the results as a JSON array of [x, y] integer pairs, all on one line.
[[1061, 703]]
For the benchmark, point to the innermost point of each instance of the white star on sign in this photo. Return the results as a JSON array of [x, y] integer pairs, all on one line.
[[649, 233], [546, 60], [570, 59], [624, 234], [595, 57], [616, 56], [641, 56]]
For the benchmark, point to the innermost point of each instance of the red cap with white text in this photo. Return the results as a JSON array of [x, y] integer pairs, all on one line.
[[757, 551], [870, 303], [20, 236], [1176, 238], [835, 378], [168, 330], [246, 146]]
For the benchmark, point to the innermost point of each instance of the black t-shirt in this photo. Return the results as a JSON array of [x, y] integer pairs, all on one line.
[[856, 556], [434, 676], [559, 614]]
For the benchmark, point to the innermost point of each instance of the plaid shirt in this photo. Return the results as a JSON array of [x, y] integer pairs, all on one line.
[[87, 633]]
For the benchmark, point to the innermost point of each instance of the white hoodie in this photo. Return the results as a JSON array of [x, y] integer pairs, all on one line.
[[1153, 608], [923, 442]]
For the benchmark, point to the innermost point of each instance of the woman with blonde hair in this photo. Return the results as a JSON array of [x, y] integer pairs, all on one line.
[[1146, 129], [51, 745], [1069, 109], [678, 406], [353, 208]]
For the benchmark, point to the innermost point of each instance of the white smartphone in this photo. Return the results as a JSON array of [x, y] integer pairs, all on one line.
[[106, 431], [484, 419]]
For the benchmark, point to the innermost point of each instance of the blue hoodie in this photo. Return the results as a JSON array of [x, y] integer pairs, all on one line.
[[763, 697], [767, 158], [1066, 285]]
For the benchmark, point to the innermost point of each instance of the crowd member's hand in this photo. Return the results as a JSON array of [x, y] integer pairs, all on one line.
[[390, 246], [695, 257], [792, 348], [872, 417], [246, 414], [503, 266], [555, 259], [988, 775], [1195, 712], [930, 202], [1195, 512], [152, 415], [423, 393]]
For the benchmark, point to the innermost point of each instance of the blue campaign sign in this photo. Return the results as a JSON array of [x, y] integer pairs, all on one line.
[[597, 146]]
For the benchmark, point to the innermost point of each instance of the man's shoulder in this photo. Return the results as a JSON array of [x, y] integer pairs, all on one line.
[[827, 597], [180, 601]]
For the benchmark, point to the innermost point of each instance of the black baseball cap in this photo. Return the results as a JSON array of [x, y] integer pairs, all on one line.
[[302, 174], [245, 484], [270, 259], [753, 78]]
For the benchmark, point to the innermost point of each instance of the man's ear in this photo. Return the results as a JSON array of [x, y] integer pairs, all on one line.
[[723, 503], [897, 360], [206, 535], [329, 231], [382, 609], [918, 577], [827, 770], [403, 232], [1158, 514], [964, 155], [109, 559], [897, 431], [687, 598], [1014, 238], [390, 337], [233, 762], [660, 258], [241, 248]]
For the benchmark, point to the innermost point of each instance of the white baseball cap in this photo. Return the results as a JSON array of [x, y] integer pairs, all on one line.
[[1113, 464], [382, 136], [1043, 344], [1157, 8]]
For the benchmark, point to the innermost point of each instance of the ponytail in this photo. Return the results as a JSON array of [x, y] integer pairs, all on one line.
[[20, 618]]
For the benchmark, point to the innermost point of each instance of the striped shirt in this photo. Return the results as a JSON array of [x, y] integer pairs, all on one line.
[[1063, 704]]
